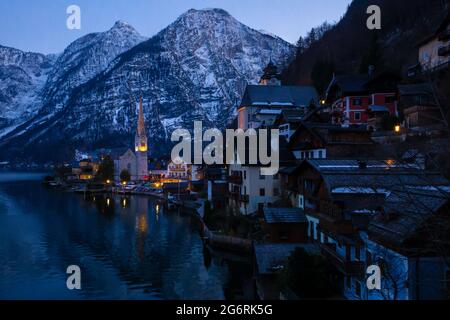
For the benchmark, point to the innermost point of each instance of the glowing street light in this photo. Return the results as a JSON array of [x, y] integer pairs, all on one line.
[[397, 128]]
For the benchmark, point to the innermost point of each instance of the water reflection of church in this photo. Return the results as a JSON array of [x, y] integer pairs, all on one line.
[[136, 163]]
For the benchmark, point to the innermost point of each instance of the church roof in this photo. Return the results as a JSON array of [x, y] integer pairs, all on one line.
[[295, 96]]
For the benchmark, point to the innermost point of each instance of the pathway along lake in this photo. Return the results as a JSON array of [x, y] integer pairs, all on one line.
[[126, 247]]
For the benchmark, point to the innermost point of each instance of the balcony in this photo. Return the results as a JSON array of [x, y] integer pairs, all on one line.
[[341, 263], [444, 51]]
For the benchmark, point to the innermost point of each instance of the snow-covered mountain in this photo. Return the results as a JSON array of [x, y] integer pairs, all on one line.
[[86, 57], [196, 68], [22, 77], [33, 82]]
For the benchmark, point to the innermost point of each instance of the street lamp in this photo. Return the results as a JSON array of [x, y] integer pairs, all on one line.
[[397, 128]]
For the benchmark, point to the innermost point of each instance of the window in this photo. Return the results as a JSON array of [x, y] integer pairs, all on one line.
[[357, 102], [300, 202], [261, 176], [308, 185], [262, 192], [260, 207], [357, 116], [321, 154]]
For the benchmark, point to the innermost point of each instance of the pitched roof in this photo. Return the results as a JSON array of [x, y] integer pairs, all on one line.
[[322, 130], [284, 215], [272, 257], [407, 211], [347, 176], [292, 96], [349, 83]]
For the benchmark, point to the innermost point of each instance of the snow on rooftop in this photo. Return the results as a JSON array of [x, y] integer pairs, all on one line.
[[360, 190]]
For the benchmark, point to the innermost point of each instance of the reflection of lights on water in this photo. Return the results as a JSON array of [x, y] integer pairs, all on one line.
[[157, 208], [108, 201], [93, 198], [124, 202], [142, 224]]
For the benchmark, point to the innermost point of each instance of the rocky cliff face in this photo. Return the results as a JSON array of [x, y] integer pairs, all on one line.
[[22, 77]]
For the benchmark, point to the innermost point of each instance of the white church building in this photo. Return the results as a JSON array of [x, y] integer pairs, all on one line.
[[136, 163]]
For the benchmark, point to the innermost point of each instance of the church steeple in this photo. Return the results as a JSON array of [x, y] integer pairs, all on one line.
[[141, 136], [270, 76], [141, 119]]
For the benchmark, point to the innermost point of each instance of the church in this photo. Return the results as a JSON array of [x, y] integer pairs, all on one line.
[[136, 163]]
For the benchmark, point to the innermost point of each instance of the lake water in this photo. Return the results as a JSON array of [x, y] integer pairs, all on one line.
[[126, 247]]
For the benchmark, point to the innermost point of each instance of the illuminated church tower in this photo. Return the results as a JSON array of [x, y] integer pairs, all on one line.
[[141, 146]]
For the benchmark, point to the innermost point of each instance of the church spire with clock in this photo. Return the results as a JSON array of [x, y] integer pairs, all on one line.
[[141, 145]]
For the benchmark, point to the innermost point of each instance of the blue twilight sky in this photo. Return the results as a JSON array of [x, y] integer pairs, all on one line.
[[40, 25]]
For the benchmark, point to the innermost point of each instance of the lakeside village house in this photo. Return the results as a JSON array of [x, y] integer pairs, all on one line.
[[331, 199]]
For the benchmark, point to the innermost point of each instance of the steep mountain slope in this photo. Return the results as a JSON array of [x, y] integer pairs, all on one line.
[[22, 76], [196, 68], [85, 58], [349, 47]]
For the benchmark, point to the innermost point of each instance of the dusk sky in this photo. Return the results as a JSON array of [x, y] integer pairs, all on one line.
[[40, 25]]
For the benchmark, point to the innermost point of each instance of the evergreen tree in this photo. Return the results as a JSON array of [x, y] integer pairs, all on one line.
[[372, 57], [309, 276], [105, 170], [321, 75], [125, 176]]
